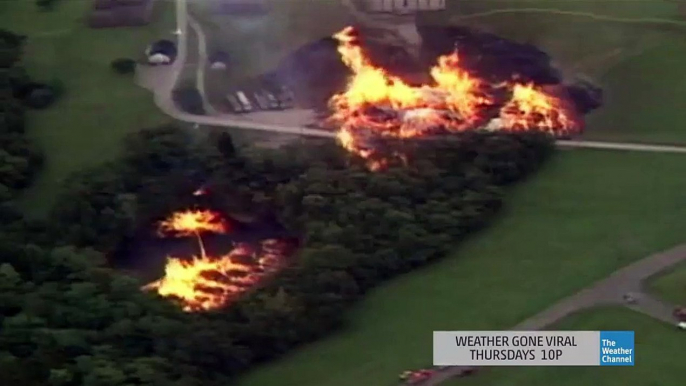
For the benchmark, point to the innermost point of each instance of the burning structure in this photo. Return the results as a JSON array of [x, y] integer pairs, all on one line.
[[376, 103], [205, 282]]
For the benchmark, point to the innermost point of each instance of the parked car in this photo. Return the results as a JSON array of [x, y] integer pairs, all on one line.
[[273, 102], [286, 92], [285, 97], [245, 102], [234, 104], [260, 100]]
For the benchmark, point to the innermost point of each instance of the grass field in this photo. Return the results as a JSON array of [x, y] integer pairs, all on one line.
[[99, 107], [659, 359], [645, 95], [671, 286], [585, 215]]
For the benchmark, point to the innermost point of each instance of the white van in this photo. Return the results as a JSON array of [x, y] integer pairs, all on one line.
[[247, 106]]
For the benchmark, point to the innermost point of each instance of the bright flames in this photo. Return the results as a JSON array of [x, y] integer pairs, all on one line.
[[192, 222], [376, 103], [206, 282], [531, 109]]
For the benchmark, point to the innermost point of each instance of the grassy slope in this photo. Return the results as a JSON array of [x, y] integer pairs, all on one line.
[[645, 97], [99, 107], [565, 28], [659, 356], [671, 286], [586, 214]]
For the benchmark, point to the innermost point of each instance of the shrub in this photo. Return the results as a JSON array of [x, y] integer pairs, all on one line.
[[40, 98], [123, 65], [46, 5]]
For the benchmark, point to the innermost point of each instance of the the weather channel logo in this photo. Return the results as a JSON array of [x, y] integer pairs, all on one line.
[[534, 348], [617, 348]]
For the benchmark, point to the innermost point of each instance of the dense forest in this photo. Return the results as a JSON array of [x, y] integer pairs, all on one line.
[[68, 318]]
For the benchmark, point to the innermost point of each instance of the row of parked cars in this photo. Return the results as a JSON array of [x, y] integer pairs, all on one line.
[[242, 101]]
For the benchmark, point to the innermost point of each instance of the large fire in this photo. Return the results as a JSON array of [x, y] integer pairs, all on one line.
[[376, 103], [206, 282], [192, 222]]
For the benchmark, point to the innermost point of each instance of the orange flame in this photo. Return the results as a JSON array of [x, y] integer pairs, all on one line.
[[532, 109], [192, 222], [204, 282], [411, 111], [378, 103]]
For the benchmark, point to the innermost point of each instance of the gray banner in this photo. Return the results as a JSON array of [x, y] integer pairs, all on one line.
[[516, 348]]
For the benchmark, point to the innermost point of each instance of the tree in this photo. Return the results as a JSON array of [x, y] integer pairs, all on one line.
[[46, 5], [225, 145], [19, 158], [11, 48]]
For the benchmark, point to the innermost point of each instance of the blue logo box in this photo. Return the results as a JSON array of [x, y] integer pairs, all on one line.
[[617, 348]]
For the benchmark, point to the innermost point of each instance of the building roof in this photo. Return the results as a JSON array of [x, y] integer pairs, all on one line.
[[403, 6]]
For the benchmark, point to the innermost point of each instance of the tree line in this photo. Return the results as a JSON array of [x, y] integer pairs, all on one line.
[[20, 159], [68, 318]]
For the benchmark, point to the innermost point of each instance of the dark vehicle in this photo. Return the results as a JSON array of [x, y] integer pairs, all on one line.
[[219, 57], [286, 97], [680, 313], [261, 100], [287, 92], [164, 47], [234, 104], [245, 102], [273, 102]]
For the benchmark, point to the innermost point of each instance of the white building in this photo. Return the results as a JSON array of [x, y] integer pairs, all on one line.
[[404, 6]]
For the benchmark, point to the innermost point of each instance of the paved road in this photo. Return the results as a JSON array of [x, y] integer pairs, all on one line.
[[609, 291], [202, 64]]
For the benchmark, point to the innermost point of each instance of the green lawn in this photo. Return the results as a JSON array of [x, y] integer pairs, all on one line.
[[585, 215], [99, 108], [645, 95], [671, 286], [659, 356]]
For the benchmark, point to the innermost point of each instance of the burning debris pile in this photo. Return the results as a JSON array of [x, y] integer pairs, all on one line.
[[496, 59], [377, 104], [205, 282]]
